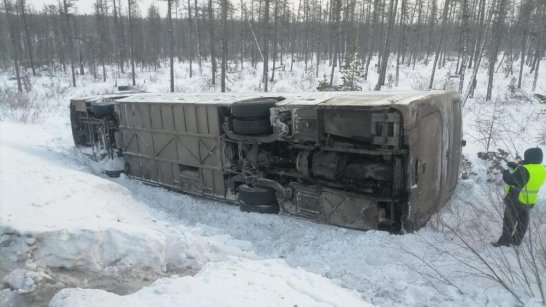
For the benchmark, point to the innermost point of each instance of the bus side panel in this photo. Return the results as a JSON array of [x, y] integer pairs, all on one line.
[[174, 145]]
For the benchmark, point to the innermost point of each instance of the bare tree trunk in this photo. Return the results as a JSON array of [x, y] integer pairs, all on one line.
[[131, 39], [478, 57], [418, 32], [306, 32], [448, 38], [70, 41], [224, 9], [80, 55], [122, 39], [265, 76], [440, 41], [381, 30], [118, 42], [402, 41], [337, 11], [190, 38], [534, 60], [275, 17], [244, 20], [432, 22], [330, 30], [373, 38], [22, 4], [292, 49], [295, 23], [15, 44], [540, 48], [284, 29], [77, 39], [171, 43], [387, 46], [481, 18], [536, 76], [253, 56], [58, 37], [472, 37], [318, 37], [464, 52], [100, 12], [211, 34], [198, 34], [497, 36], [525, 11]]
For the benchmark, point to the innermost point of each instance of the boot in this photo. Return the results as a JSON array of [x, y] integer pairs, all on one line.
[[499, 244]]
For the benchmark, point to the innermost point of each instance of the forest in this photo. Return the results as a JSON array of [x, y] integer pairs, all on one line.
[[222, 36]]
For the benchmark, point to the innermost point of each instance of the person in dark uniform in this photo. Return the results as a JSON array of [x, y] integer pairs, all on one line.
[[522, 185]]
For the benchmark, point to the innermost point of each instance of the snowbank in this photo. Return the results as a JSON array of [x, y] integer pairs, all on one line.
[[76, 219], [235, 282], [58, 218]]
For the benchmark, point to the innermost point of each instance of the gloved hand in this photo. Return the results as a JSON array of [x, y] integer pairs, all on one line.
[[512, 165]]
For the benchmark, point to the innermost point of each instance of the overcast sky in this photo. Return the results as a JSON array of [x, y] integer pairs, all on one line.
[[86, 6]]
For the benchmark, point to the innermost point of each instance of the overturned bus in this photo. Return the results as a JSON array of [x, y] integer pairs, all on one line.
[[354, 159]]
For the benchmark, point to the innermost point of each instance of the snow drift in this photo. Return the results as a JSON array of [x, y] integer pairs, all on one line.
[[234, 282]]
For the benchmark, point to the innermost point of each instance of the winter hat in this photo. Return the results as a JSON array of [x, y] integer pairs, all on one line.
[[533, 156]]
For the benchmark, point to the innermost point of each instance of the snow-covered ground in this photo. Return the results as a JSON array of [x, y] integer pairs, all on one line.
[[69, 236]]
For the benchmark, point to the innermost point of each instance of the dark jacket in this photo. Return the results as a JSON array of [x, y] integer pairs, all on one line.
[[517, 180]]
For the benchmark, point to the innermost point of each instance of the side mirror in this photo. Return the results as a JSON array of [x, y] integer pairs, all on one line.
[[463, 143]]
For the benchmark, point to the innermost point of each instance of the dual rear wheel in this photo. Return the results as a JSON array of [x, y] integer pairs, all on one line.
[[252, 118], [257, 199]]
